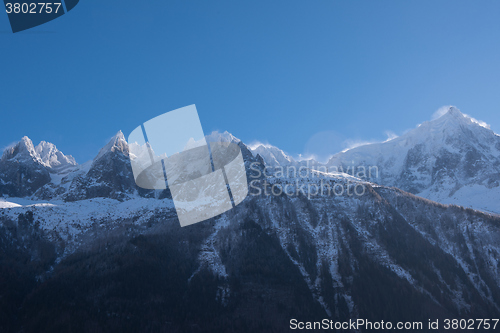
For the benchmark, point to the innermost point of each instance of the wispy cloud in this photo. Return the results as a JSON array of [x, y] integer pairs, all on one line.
[[306, 157], [355, 143], [390, 135], [440, 112], [254, 144]]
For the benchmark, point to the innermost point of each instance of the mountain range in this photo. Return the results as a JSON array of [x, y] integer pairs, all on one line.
[[453, 159], [82, 248]]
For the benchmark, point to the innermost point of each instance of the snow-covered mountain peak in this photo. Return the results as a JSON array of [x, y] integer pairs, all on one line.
[[27, 142], [117, 143], [225, 136], [454, 112], [450, 128], [451, 159], [52, 157], [452, 117], [26, 146], [23, 150], [45, 153], [273, 156]]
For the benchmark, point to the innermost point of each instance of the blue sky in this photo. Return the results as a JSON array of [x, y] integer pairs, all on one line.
[[302, 75]]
